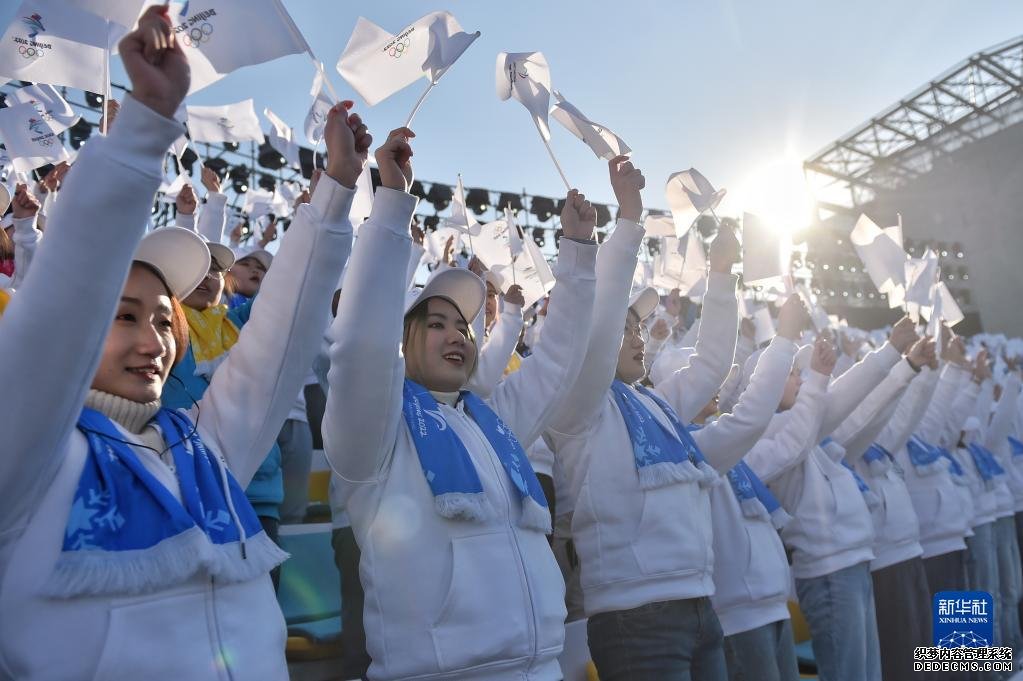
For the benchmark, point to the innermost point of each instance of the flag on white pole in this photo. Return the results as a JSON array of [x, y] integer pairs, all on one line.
[[227, 123], [689, 195], [221, 36], [29, 139], [604, 143], [51, 42], [48, 102], [920, 276], [526, 77], [460, 218], [766, 252], [943, 306], [282, 138], [882, 257], [435, 240], [378, 63], [514, 235], [532, 273], [316, 119]]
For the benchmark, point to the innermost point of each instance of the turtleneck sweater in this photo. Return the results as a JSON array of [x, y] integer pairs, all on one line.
[[136, 418]]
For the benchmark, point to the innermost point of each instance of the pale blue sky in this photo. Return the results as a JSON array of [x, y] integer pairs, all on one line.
[[726, 87]]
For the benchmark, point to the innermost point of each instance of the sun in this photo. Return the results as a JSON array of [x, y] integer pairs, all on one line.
[[777, 192]]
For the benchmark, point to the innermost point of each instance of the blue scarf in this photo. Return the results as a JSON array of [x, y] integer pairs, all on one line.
[[878, 460], [663, 457], [985, 462], [1016, 445], [868, 494], [127, 534], [958, 474], [754, 497], [457, 490], [926, 458]]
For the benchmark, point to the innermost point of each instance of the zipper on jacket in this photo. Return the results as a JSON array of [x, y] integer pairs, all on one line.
[[501, 474], [218, 649]]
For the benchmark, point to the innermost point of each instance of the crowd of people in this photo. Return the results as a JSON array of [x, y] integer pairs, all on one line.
[[616, 460]]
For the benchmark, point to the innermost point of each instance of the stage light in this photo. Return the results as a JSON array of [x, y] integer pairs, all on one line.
[[267, 182], [188, 159], [417, 189], [240, 179], [439, 195], [217, 165], [95, 101], [271, 158], [706, 226], [538, 236], [653, 246], [430, 223], [477, 200], [510, 201], [231, 146], [79, 133], [557, 239], [542, 207]]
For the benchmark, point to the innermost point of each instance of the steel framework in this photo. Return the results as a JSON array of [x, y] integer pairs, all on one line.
[[976, 98]]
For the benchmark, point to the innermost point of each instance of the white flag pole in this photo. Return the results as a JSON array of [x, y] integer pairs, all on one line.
[[461, 195], [103, 123], [553, 158], [419, 103]]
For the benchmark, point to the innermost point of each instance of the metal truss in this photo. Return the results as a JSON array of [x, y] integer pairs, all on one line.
[[976, 98]]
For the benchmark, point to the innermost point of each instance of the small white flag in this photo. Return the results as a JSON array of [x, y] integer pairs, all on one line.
[[514, 235], [282, 138], [29, 139], [51, 42], [378, 63], [690, 195], [48, 102], [526, 77], [435, 241], [921, 274], [882, 257], [228, 123], [221, 36], [316, 119], [121, 12], [460, 218], [532, 273], [766, 252], [362, 202], [659, 225], [604, 143], [943, 306]]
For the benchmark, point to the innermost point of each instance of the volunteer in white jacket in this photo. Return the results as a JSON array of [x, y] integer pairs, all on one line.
[[459, 579], [635, 480], [902, 600], [831, 534], [127, 548]]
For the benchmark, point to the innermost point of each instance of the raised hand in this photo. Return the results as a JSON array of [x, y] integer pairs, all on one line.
[[110, 110], [186, 201], [955, 351], [55, 177], [903, 335], [24, 204], [793, 317], [210, 180], [981, 369], [824, 358], [673, 303], [724, 250], [514, 295], [269, 233], [155, 63], [418, 235], [477, 267], [578, 217], [448, 257], [922, 353], [627, 181], [394, 160], [660, 329], [348, 141]]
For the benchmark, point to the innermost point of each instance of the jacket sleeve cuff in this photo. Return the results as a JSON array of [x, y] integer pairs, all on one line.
[[628, 235], [904, 371], [720, 286], [24, 226], [784, 345], [576, 259], [889, 355], [332, 200], [512, 309], [216, 199], [393, 210], [186, 220], [817, 381], [141, 137]]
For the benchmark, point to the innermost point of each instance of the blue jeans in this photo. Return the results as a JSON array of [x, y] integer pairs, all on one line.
[[839, 607], [1009, 575], [664, 641], [766, 653]]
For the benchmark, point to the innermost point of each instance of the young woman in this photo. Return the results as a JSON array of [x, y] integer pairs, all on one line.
[[459, 579], [127, 549]]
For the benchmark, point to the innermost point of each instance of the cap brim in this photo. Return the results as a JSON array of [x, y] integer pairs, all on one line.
[[644, 302], [5, 198], [179, 255], [265, 258], [461, 288], [222, 255]]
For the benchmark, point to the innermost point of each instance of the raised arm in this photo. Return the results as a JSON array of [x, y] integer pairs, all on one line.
[[692, 386], [495, 353], [1005, 412], [909, 411], [940, 402], [725, 441], [792, 434], [213, 216], [25, 207], [252, 392], [616, 264], [185, 205], [80, 269], [367, 370], [851, 388]]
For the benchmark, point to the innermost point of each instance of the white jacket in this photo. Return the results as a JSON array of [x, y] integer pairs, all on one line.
[[637, 546], [831, 527], [996, 439], [751, 571], [444, 598], [201, 629]]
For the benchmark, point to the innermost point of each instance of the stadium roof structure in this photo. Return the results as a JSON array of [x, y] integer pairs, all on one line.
[[978, 97]]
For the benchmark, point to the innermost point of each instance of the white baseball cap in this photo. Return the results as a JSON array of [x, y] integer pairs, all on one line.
[[264, 257], [180, 256], [221, 255], [5, 198], [461, 288], [644, 302]]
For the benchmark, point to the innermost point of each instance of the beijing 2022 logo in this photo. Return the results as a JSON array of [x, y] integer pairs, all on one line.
[[399, 47], [197, 29], [29, 48], [39, 127]]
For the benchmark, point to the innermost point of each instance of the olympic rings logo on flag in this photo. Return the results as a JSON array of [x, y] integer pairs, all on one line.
[[399, 48], [198, 35], [30, 52]]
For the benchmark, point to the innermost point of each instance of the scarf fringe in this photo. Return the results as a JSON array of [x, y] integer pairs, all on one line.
[[462, 506], [754, 509], [879, 467], [780, 518], [534, 516], [666, 473], [709, 477], [873, 501], [169, 563], [932, 468]]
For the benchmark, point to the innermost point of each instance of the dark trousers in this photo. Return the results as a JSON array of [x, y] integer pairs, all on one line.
[[664, 641], [946, 572], [270, 526], [902, 601], [353, 635]]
